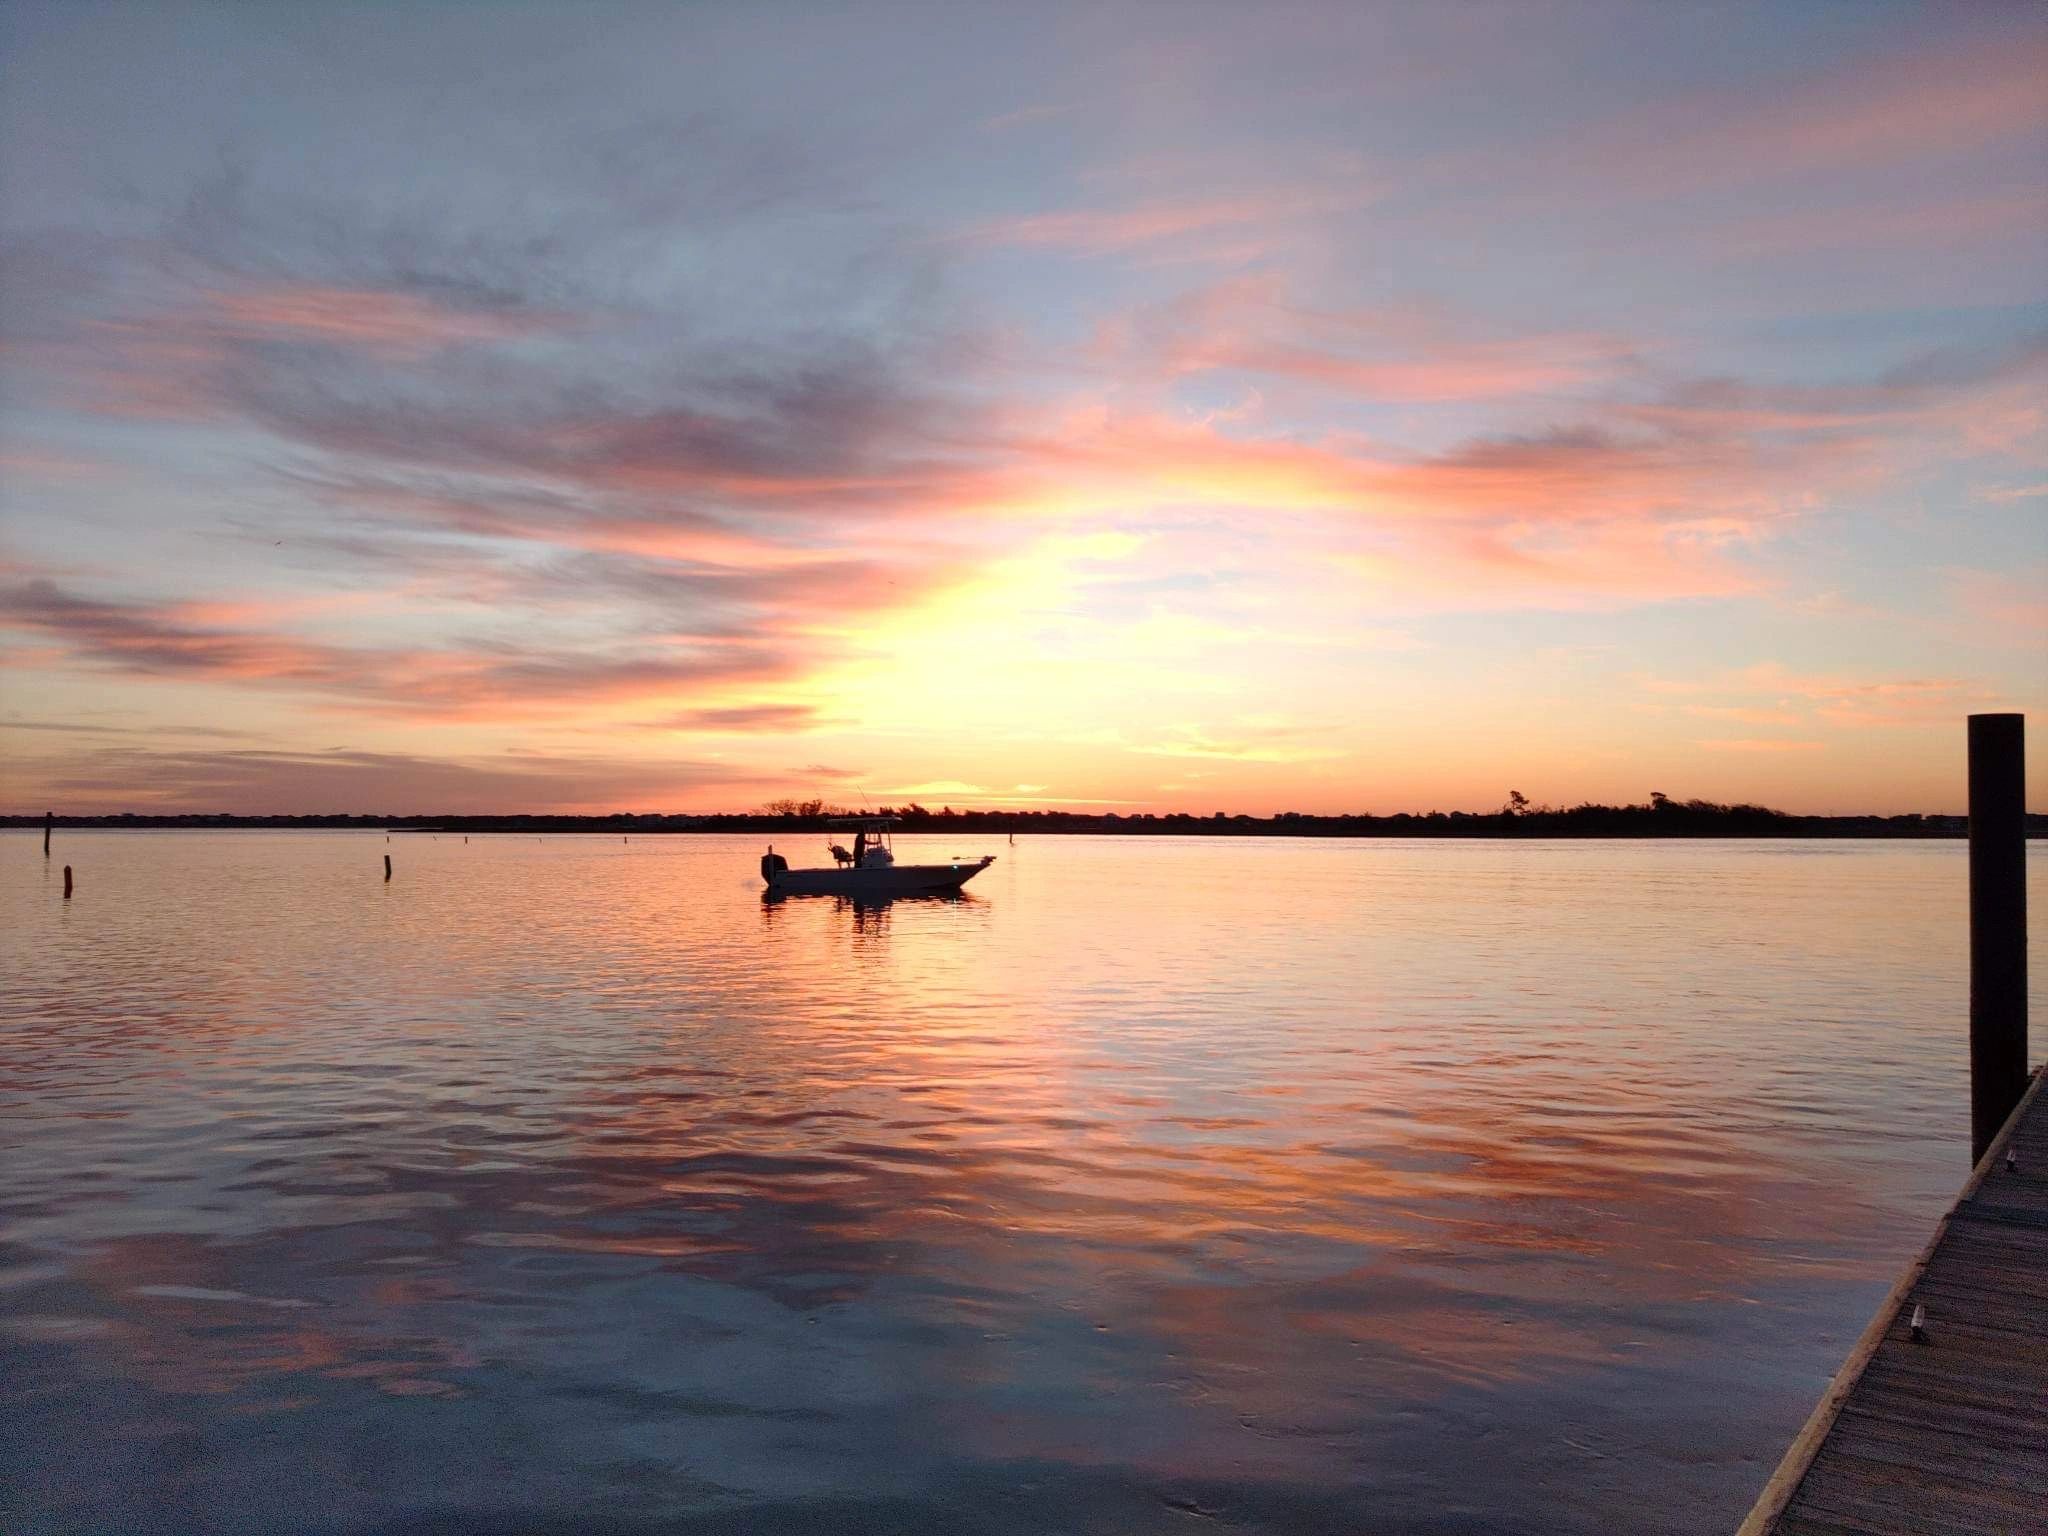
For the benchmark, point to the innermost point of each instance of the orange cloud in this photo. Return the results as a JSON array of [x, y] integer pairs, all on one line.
[[236, 613], [743, 718], [1248, 744], [1771, 691], [1586, 517], [1743, 714], [1760, 744]]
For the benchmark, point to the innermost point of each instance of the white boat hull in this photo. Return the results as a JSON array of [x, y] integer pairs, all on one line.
[[877, 881]]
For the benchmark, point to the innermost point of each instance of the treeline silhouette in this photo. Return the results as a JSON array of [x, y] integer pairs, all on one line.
[[1659, 816]]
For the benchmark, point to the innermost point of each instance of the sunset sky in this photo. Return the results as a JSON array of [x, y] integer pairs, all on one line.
[[408, 408]]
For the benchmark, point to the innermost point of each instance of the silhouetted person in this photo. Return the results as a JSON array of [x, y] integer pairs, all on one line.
[[860, 848]]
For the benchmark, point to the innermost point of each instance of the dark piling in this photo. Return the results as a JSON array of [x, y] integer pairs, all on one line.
[[1998, 923], [67, 882], [387, 866]]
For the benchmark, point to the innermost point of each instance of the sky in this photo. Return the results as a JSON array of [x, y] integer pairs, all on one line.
[[501, 407]]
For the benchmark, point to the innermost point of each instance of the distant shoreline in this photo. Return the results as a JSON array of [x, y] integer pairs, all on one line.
[[1669, 819]]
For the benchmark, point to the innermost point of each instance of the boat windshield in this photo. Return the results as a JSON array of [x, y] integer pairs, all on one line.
[[871, 838]]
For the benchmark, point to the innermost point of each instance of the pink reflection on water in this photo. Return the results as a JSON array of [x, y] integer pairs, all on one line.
[[1214, 1175]]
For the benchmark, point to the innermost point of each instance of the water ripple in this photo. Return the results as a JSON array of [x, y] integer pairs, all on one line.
[[567, 1185]]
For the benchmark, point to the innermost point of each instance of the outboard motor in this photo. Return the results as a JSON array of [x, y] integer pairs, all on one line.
[[773, 864]]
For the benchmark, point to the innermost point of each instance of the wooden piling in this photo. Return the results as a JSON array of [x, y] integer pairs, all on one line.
[[1998, 923], [1939, 1419], [387, 866], [49, 819], [67, 882]]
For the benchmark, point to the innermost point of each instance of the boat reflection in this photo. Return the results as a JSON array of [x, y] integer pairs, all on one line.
[[956, 898], [864, 919], [864, 908]]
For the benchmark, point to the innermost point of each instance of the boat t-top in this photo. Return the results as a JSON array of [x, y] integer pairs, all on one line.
[[868, 868]]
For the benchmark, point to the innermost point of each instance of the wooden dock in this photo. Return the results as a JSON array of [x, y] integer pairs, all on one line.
[[1947, 1431]]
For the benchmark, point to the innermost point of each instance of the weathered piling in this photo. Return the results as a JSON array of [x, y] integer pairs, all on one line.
[[49, 819], [1998, 923], [67, 882], [1939, 1419], [387, 866]]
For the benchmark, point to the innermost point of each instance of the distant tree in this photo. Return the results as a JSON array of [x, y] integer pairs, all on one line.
[[1518, 803]]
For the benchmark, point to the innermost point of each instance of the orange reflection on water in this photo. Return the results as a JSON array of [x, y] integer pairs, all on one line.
[[1285, 1180]]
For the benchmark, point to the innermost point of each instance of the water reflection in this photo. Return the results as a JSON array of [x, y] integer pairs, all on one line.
[[1136, 1186], [866, 903], [862, 922]]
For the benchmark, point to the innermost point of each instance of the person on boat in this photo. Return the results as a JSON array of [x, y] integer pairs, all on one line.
[[860, 847]]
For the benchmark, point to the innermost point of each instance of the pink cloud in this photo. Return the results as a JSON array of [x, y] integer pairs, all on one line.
[[1177, 219], [180, 361], [492, 683], [1901, 226], [2001, 601], [384, 321], [2014, 493], [1412, 353], [1579, 566], [1921, 104], [274, 781], [29, 463]]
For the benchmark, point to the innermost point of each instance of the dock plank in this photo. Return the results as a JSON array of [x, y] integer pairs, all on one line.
[[1948, 1432]]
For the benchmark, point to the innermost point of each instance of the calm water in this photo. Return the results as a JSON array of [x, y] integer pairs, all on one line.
[[1156, 1186]]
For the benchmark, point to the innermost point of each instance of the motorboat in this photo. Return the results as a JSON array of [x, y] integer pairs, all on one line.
[[868, 869]]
